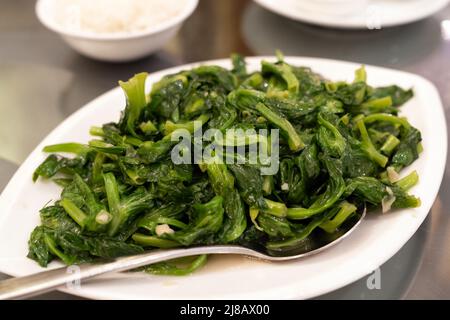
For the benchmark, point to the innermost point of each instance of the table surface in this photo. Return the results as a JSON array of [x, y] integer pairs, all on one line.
[[42, 81]]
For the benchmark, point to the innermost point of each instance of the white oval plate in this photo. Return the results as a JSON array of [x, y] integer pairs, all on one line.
[[377, 239], [374, 14]]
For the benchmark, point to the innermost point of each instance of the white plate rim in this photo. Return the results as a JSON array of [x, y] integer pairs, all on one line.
[[289, 291], [342, 23]]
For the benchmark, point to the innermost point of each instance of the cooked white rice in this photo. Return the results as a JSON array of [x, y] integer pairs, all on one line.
[[115, 16]]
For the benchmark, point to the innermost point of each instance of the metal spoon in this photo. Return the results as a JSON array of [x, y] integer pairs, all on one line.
[[23, 287]]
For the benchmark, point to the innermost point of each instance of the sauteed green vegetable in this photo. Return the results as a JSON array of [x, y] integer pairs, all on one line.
[[341, 149]]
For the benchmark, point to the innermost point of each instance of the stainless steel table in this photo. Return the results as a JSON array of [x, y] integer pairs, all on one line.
[[42, 81]]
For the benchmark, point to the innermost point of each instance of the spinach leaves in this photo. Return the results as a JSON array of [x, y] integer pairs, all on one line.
[[341, 147]]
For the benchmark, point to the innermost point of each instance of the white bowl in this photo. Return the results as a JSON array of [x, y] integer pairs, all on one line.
[[115, 47]]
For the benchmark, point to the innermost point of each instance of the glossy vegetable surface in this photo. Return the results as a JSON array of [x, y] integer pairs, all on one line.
[[341, 147]]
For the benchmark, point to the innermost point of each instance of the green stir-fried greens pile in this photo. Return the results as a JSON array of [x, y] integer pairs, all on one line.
[[342, 146]]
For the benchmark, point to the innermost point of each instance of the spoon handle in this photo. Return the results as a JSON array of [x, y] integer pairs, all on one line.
[[71, 276]]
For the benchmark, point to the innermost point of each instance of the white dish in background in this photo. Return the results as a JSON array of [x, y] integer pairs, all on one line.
[[112, 47], [355, 14], [377, 239], [328, 7]]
